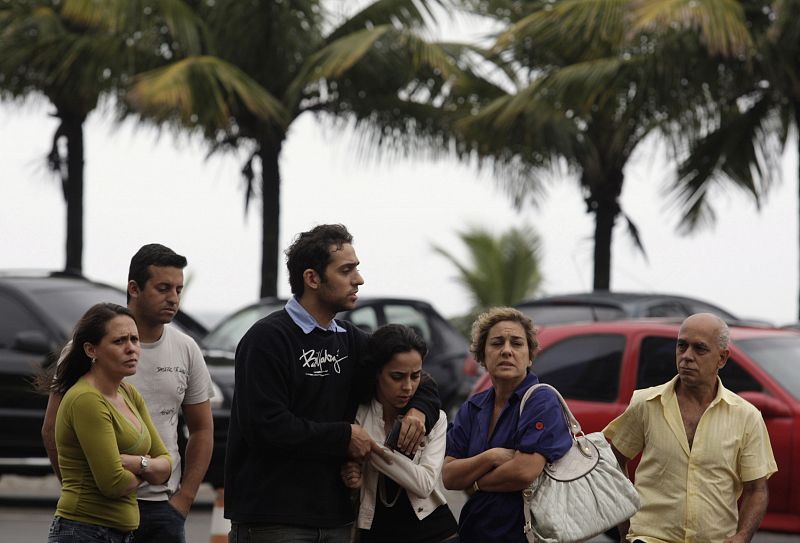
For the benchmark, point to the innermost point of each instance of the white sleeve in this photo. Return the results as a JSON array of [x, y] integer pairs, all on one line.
[[418, 478], [199, 388]]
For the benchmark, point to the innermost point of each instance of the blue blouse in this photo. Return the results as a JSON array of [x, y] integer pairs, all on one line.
[[542, 428]]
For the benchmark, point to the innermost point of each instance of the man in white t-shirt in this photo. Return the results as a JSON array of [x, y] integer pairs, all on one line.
[[173, 379]]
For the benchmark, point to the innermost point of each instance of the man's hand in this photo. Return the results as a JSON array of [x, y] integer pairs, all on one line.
[[181, 503], [412, 430], [361, 445], [351, 474]]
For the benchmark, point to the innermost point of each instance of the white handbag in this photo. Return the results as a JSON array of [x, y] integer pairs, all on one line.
[[580, 495]]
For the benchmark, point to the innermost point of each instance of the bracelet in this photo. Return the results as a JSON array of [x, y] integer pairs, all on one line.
[[475, 486]]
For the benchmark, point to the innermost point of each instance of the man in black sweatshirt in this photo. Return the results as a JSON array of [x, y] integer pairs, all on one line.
[[294, 397]]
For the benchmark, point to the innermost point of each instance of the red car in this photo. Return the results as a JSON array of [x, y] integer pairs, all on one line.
[[597, 366]]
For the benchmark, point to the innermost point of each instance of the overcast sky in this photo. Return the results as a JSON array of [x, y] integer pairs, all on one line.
[[142, 188]]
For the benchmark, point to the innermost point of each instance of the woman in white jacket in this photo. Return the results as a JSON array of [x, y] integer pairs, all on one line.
[[402, 501]]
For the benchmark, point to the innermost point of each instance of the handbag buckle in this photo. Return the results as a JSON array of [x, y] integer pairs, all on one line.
[[527, 493]]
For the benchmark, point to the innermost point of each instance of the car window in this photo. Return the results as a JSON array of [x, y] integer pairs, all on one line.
[[666, 309], [779, 357], [584, 367], [14, 318], [657, 365], [365, 318], [557, 314], [67, 305], [226, 336], [449, 338], [700, 307], [656, 361], [410, 316], [737, 379]]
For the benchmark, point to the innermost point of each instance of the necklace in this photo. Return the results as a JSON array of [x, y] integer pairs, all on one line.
[[382, 492]]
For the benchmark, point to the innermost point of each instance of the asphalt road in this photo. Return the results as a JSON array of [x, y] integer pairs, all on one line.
[[27, 505]]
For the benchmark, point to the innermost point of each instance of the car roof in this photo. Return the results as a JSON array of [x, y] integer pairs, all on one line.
[[669, 326], [608, 297], [24, 282]]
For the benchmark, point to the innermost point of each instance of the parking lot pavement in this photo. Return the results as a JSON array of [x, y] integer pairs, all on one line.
[[17, 488], [29, 501]]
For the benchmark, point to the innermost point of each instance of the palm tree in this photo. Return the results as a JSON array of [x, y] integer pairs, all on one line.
[[501, 270], [74, 53], [588, 92], [372, 70], [752, 113]]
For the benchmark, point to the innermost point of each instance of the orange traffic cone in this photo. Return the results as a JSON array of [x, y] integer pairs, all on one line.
[[220, 526]]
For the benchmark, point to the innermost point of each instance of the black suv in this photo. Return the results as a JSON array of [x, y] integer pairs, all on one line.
[[37, 314], [448, 359]]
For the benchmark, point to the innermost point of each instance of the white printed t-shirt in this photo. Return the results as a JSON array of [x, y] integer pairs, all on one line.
[[171, 372]]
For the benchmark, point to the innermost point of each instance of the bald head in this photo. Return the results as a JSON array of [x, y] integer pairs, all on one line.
[[713, 324]]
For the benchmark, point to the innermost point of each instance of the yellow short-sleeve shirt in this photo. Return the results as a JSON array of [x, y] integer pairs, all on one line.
[[690, 494]]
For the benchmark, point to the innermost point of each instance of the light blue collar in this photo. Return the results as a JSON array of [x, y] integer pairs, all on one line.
[[305, 321]]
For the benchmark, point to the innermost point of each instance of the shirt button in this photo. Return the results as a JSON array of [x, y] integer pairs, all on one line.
[[419, 509]]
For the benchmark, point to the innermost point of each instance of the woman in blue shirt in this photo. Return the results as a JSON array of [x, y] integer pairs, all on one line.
[[492, 451]]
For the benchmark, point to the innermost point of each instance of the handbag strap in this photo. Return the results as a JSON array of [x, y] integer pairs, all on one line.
[[574, 428], [572, 422]]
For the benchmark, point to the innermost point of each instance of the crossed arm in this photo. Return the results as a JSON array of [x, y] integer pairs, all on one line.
[[494, 470]]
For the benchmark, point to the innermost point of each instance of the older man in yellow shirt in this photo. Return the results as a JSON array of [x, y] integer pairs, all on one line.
[[702, 448]]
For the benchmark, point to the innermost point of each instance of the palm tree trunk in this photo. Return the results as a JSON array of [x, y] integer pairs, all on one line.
[[269, 153], [796, 106], [603, 201], [72, 128], [604, 218]]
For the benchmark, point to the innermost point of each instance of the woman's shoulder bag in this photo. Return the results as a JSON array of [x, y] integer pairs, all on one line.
[[580, 495]]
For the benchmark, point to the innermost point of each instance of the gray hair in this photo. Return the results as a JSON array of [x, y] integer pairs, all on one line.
[[724, 334]]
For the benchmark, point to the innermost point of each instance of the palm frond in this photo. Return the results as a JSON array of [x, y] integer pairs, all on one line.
[[633, 232], [410, 14], [501, 270], [203, 91], [133, 18], [721, 23], [728, 153], [589, 85], [577, 29], [381, 57]]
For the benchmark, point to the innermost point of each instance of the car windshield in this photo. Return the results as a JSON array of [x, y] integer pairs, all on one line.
[[226, 336], [558, 314], [67, 305], [779, 357]]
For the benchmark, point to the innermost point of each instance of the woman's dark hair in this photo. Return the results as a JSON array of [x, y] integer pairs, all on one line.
[[91, 328], [383, 344]]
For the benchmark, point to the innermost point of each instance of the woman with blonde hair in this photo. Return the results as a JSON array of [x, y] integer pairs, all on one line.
[[493, 451]]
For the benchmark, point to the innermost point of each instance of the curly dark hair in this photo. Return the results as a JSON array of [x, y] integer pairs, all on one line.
[[484, 323], [312, 250]]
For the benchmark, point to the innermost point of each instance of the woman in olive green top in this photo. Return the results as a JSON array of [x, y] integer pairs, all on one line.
[[107, 444]]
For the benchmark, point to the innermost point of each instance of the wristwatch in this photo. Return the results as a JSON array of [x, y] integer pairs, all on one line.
[[144, 463]]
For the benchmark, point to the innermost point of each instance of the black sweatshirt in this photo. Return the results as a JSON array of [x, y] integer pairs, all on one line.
[[289, 431]]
